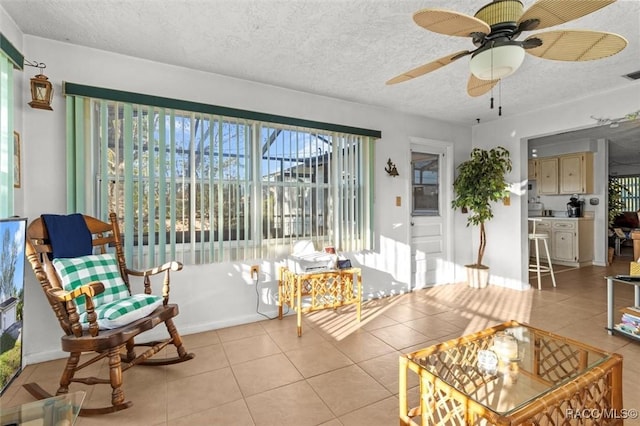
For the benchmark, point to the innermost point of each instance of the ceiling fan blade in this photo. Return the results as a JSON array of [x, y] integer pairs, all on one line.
[[450, 23], [427, 68], [556, 12], [577, 45], [477, 87]]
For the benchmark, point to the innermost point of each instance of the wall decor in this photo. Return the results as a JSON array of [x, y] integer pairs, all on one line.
[[391, 168], [41, 88]]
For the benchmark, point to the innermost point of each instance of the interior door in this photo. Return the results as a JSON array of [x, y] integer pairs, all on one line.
[[431, 214]]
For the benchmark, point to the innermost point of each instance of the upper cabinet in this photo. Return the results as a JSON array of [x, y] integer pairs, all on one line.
[[533, 169], [548, 176], [565, 174], [576, 173]]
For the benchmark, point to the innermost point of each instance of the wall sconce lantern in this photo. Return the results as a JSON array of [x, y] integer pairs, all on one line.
[[41, 88], [391, 168]]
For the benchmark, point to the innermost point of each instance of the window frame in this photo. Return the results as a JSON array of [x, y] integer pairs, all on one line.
[[257, 246]]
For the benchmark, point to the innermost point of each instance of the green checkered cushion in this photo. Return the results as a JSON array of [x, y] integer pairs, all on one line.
[[77, 271], [124, 311]]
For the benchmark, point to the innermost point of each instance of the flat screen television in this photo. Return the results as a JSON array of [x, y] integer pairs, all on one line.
[[12, 269]]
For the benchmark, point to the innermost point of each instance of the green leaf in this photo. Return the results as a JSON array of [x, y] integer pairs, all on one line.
[[481, 181]]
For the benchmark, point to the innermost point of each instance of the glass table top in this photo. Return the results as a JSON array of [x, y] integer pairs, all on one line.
[[506, 367], [61, 410]]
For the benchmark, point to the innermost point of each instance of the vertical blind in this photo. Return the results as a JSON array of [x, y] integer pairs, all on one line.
[[201, 187], [630, 194], [10, 59], [7, 165]]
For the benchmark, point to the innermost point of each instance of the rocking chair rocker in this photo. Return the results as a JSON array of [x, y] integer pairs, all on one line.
[[96, 308]]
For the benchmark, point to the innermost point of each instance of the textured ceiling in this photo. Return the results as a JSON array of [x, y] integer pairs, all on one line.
[[345, 49]]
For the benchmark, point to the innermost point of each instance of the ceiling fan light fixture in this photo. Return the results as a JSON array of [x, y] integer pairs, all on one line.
[[497, 62]]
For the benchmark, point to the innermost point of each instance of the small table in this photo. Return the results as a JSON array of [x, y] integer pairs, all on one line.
[[60, 410], [611, 280], [325, 289], [548, 380]]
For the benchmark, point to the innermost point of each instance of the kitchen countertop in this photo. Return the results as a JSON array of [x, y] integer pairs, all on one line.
[[560, 218]]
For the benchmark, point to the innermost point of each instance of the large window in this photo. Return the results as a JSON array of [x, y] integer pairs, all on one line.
[[206, 188], [630, 192]]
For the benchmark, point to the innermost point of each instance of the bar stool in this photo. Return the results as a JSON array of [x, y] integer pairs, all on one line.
[[536, 267]]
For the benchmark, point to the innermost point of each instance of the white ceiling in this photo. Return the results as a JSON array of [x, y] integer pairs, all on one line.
[[344, 49]]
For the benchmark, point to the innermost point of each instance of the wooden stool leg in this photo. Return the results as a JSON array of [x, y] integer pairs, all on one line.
[[359, 280], [538, 263], [546, 249], [299, 304]]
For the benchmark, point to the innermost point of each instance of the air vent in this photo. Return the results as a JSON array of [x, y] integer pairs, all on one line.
[[633, 75]]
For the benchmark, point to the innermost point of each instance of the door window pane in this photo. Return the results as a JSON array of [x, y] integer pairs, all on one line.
[[425, 182]]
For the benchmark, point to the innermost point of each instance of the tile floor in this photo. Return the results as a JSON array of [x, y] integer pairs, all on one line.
[[341, 372]]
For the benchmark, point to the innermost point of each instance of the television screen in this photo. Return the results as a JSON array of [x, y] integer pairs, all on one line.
[[12, 264]]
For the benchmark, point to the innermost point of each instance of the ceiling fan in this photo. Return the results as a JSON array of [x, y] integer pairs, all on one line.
[[494, 30]]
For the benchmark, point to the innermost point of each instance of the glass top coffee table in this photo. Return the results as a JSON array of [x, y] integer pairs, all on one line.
[[510, 374], [60, 410]]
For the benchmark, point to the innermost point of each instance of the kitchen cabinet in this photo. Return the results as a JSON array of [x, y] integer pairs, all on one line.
[[570, 240], [548, 176], [532, 169], [563, 242], [576, 173], [565, 174]]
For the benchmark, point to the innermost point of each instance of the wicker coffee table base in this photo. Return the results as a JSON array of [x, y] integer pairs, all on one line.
[[325, 289], [597, 392]]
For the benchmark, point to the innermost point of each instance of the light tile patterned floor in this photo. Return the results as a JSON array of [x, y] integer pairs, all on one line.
[[341, 372]]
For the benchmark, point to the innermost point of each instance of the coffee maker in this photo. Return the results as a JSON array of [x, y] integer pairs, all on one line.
[[575, 207]]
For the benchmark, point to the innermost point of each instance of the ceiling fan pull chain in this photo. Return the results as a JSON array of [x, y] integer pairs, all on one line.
[[492, 74], [500, 98]]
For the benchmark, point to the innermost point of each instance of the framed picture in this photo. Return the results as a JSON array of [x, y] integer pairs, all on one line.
[[12, 270], [16, 160]]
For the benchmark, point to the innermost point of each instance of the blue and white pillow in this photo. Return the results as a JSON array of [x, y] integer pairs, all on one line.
[[114, 307]]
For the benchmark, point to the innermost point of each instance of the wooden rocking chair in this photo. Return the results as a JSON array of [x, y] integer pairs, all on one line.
[[78, 312]]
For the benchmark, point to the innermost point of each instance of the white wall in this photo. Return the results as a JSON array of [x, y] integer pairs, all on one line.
[[217, 295], [507, 233], [10, 30]]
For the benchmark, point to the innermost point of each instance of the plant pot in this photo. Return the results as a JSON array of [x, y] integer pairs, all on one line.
[[477, 276]]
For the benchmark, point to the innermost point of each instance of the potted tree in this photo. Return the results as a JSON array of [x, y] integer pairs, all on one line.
[[481, 181]]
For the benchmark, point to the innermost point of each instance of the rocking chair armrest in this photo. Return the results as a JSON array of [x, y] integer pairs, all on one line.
[[90, 290], [166, 268], [68, 298], [169, 266]]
